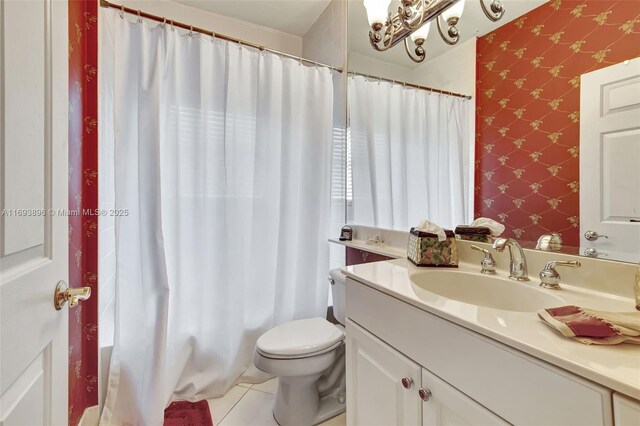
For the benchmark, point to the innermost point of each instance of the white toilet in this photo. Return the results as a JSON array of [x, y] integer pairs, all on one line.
[[309, 359]]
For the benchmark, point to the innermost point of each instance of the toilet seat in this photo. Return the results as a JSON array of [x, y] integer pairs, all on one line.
[[303, 356], [300, 339]]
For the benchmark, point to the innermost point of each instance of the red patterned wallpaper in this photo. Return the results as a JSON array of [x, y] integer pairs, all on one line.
[[528, 103], [83, 194]]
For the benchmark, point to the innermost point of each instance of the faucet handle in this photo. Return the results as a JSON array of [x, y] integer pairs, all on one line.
[[550, 278], [488, 263]]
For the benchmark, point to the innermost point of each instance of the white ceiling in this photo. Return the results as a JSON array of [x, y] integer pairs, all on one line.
[[290, 16], [473, 23], [298, 16]]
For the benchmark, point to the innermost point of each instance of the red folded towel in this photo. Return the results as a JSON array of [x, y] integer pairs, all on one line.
[[593, 327]]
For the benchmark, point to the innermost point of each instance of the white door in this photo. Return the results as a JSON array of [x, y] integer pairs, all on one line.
[[445, 405], [610, 161], [376, 394], [33, 243]]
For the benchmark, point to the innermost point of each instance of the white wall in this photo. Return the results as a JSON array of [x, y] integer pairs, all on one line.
[[232, 27], [454, 70], [326, 42], [377, 67]]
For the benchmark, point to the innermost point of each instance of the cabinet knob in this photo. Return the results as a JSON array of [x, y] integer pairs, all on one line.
[[424, 394], [407, 382]]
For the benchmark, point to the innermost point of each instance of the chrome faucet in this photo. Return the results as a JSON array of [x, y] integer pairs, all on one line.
[[550, 278], [517, 263], [487, 264]]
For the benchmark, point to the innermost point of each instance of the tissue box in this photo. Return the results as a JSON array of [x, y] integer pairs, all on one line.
[[480, 234], [424, 249]]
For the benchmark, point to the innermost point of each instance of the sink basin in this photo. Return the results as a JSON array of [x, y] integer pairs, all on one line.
[[484, 290]]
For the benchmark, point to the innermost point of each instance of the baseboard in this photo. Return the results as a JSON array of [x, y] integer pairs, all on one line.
[[90, 417]]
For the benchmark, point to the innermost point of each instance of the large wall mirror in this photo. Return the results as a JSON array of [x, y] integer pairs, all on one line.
[[532, 120]]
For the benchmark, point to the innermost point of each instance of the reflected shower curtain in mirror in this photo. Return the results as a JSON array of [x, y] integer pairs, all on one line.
[[222, 163], [410, 154]]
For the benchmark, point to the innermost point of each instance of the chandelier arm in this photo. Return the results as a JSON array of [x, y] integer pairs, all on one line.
[[390, 34], [491, 15], [382, 37], [407, 24], [448, 40], [420, 57], [386, 39]]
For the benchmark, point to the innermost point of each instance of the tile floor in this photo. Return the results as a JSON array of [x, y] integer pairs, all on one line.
[[251, 405]]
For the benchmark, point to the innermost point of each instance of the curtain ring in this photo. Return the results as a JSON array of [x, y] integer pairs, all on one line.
[[213, 37], [122, 12], [190, 30], [164, 22], [172, 27], [139, 17]]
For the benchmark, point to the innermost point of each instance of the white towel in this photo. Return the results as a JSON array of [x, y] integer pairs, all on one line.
[[496, 228], [432, 228]]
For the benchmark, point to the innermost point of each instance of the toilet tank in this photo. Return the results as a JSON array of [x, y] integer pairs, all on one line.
[[338, 292]]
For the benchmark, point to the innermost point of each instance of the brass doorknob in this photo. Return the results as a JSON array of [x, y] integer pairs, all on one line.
[[65, 294]]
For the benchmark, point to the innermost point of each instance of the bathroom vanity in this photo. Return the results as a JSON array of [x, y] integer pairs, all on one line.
[[420, 353]]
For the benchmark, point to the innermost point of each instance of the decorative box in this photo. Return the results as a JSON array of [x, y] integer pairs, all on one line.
[[424, 249], [478, 234]]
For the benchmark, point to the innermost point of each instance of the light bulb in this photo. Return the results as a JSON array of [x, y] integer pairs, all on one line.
[[377, 11], [454, 11], [421, 33]]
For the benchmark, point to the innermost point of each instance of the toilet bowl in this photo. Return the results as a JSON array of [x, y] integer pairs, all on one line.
[[308, 357]]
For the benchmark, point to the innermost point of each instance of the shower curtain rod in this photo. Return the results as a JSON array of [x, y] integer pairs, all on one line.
[[141, 14], [415, 86]]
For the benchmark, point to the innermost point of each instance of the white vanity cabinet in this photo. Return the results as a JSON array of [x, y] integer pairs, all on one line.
[[447, 406], [386, 388], [626, 411], [473, 379], [375, 376]]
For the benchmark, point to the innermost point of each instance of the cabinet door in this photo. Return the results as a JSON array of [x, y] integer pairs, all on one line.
[[375, 392], [447, 406], [626, 411]]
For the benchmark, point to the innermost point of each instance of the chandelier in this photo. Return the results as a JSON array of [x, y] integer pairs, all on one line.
[[413, 21]]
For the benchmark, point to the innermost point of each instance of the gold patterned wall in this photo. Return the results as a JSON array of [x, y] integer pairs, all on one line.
[[528, 110], [83, 196]]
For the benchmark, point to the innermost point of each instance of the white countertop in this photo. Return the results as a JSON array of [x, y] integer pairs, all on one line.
[[616, 367], [382, 249]]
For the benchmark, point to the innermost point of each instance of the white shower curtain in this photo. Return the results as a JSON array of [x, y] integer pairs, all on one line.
[[410, 155], [222, 160]]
